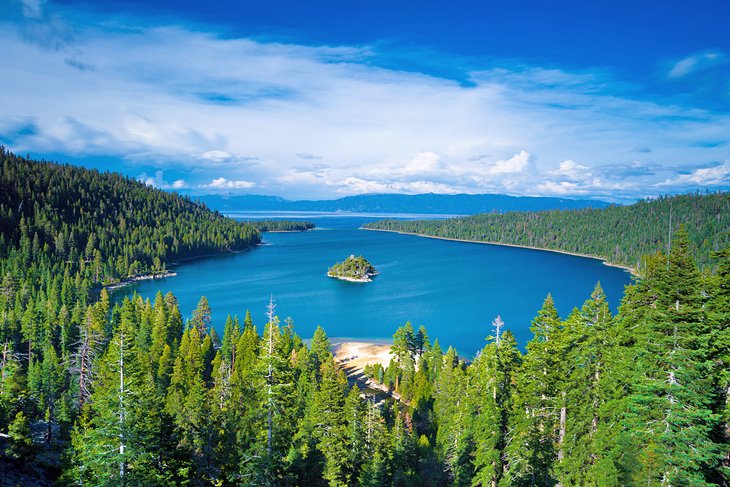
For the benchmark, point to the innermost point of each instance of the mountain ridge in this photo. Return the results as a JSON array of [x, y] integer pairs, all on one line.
[[427, 203]]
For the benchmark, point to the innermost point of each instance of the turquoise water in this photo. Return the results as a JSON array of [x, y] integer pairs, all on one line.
[[455, 289]]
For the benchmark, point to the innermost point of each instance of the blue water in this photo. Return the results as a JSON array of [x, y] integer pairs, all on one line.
[[454, 289]]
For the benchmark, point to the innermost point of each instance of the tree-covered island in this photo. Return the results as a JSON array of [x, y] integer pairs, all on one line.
[[355, 269]]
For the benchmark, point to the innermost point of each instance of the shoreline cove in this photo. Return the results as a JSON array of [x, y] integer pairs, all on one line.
[[630, 270], [131, 280], [171, 273]]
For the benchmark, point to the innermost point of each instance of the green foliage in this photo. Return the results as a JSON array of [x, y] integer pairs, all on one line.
[[354, 268], [21, 444], [102, 225], [640, 398], [619, 234], [535, 412], [281, 225]]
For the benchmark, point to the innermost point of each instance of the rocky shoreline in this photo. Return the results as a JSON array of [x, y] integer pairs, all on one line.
[[144, 277]]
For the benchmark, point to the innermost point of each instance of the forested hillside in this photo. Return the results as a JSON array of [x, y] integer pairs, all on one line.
[[619, 234], [101, 226], [132, 393], [281, 225], [144, 397]]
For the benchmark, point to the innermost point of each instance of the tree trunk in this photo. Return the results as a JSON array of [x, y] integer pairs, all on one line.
[[561, 434]]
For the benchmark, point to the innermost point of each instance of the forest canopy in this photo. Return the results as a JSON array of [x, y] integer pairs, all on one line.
[[620, 235], [133, 393]]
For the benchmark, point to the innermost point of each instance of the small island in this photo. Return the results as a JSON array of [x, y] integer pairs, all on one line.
[[354, 269]]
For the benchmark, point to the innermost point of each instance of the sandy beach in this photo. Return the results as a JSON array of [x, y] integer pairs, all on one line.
[[355, 355]]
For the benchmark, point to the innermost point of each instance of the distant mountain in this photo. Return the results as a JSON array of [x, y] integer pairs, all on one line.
[[463, 204]]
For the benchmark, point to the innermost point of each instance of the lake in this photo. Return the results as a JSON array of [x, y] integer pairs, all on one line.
[[454, 289]]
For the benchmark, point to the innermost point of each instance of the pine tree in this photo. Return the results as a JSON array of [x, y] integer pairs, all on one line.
[[319, 350], [330, 424], [202, 316], [534, 417], [21, 443], [12, 382], [52, 382], [265, 463], [104, 444], [718, 314], [490, 394], [669, 416], [187, 400], [357, 442], [231, 334], [452, 413], [403, 452]]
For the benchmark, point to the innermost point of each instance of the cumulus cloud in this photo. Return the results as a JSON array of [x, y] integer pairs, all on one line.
[[573, 171], [158, 181], [560, 188], [514, 164], [718, 175], [223, 183], [252, 111]]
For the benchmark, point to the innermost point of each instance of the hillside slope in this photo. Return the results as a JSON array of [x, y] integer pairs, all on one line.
[[619, 234], [103, 225]]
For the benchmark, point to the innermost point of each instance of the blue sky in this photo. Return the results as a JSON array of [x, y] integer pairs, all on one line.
[[613, 100]]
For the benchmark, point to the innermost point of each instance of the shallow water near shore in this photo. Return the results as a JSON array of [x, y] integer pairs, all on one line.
[[454, 289]]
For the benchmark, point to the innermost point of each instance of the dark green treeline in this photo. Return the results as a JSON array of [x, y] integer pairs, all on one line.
[[99, 228], [281, 225], [143, 398], [135, 394], [619, 234], [640, 398]]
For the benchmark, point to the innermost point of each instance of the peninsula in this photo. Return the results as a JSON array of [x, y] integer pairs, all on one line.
[[354, 269]]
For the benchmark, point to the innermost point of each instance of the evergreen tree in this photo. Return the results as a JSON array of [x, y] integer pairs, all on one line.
[[202, 316], [330, 424], [718, 315], [52, 383], [451, 411], [669, 415], [534, 417], [105, 443], [403, 452], [490, 392], [319, 350], [587, 332], [275, 426]]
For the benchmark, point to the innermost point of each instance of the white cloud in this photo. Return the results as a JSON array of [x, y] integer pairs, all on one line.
[[514, 164], [559, 188], [690, 64], [718, 175], [158, 181], [223, 183], [184, 99], [573, 171], [216, 156], [353, 185]]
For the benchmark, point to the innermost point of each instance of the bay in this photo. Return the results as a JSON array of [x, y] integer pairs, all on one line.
[[454, 289]]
